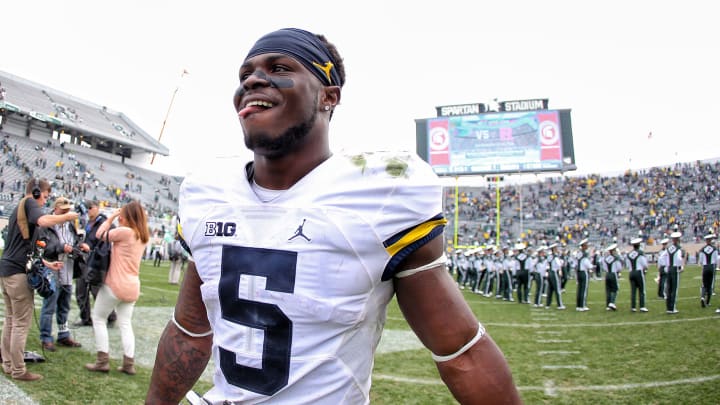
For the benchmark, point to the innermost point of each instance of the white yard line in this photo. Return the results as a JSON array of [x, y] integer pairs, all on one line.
[[563, 367], [557, 352], [10, 394], [550, 386], [649, 384], [598, 324]]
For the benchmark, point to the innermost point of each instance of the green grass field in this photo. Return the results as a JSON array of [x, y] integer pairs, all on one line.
[[557, 357]]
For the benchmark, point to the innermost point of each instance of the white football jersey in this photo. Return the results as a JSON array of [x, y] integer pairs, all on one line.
[[296, 288]]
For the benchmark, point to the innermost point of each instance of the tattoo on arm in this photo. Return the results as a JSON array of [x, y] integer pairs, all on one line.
[[181, 359], [179, 363]]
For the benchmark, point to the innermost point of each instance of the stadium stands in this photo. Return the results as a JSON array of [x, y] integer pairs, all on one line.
[[96, 124], [654, 201], [89, 151], [80, 173]]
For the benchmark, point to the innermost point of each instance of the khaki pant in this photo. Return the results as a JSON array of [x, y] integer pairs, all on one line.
[[18, 297]]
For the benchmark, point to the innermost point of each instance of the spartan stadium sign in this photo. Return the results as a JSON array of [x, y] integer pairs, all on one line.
[[461, 109], [524, 105]]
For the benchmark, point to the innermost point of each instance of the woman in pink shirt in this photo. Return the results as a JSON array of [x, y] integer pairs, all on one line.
[[122, 284]]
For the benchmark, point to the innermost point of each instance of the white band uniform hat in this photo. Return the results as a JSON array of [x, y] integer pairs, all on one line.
[[675, 235], [710, 236], [583, 242], [664, 241], [636, 241], [611, 247]]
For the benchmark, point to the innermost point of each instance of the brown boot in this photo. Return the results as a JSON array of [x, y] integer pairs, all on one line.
[[101, 364], [128, 366], [28, 376]]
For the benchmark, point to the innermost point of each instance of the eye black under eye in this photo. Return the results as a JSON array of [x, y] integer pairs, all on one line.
[[280, 68]]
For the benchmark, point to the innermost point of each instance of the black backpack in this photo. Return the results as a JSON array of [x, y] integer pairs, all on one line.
[[98, 261]]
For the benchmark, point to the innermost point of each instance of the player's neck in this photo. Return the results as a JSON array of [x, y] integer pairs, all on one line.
[[282, 173]]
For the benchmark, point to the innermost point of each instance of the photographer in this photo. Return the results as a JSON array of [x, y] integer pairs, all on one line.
[[18, 296], [60, 241]]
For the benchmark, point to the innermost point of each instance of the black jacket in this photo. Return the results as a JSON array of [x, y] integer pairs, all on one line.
[[90, 232], [54, 247]]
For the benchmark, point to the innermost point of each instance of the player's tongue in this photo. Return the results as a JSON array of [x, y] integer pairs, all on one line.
[[251, 109]]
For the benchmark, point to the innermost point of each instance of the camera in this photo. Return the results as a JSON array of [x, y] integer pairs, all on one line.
[[77, 254]]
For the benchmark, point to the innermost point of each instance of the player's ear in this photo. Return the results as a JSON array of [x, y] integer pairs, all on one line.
[[330, 97]]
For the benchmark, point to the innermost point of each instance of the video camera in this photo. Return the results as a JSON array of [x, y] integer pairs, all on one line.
[[40, 277], [36, 254]]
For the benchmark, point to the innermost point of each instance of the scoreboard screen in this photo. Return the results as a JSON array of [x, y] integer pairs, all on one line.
[[498, 142]]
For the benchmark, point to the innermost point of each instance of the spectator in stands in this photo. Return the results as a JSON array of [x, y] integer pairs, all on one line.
[[651, 200], [122, 284], [2, 92], [83, 289], [60, 241], [18, 296]]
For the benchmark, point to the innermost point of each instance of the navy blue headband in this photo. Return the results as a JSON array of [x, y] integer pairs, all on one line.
[[303, 46]]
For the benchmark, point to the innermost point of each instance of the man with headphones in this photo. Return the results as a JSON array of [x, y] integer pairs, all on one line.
[[17, 294]]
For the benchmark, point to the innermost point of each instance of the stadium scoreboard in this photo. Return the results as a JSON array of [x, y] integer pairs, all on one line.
[[521, 136]]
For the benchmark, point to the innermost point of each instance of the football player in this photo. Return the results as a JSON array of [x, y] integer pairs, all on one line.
[[297, 253]]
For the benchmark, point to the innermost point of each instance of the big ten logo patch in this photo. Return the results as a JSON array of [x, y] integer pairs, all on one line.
[[220, 228]]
